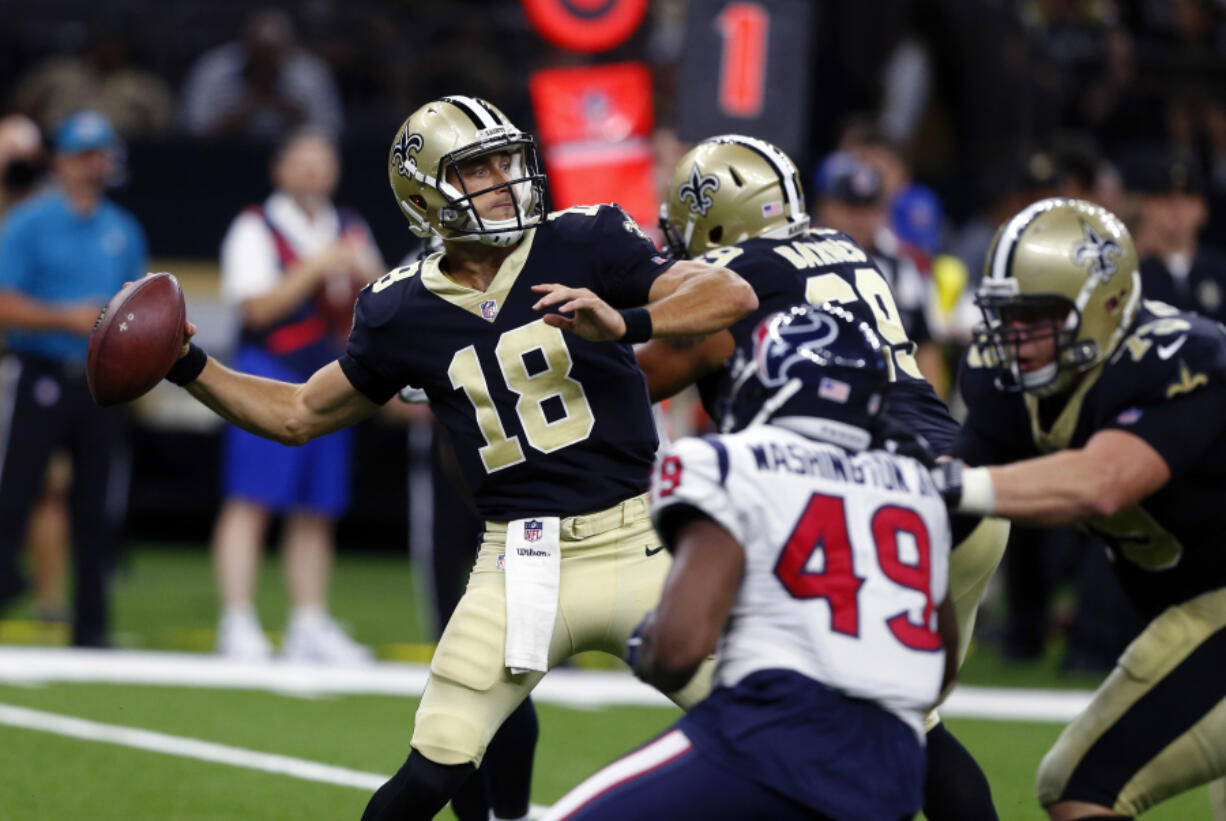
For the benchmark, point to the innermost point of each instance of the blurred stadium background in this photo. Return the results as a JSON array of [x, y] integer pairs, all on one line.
[[961, 109]]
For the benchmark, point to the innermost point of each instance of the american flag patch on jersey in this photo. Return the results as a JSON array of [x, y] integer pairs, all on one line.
[[772, 209], [834, 390], [489, 308], [502, 561], [659, 260], [532, 530]]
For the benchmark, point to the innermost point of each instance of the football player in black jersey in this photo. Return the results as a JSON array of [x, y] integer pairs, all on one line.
[[1107, 410], [736, 201], [520, 333]]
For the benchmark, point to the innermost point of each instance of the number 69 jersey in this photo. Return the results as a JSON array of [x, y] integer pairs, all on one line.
[[846, 560]]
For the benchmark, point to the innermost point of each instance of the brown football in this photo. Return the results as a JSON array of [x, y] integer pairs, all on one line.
[[136, 339]]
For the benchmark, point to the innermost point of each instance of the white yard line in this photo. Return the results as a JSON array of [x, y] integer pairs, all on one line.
[[195, 748], [187, 747], [581, 689]]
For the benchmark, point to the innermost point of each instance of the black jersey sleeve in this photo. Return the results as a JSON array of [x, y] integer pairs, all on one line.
[[996, 426], [1180, 430], [1170, 392], [369, 362], [629, 260]]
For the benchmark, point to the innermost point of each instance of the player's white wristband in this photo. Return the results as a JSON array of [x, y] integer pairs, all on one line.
[[412, 395], [978, 492]]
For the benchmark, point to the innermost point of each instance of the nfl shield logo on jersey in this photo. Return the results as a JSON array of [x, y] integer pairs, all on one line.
[[532, 530], [489, 308]]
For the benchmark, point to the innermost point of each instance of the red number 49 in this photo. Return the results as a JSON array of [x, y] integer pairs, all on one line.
[[823, 526]]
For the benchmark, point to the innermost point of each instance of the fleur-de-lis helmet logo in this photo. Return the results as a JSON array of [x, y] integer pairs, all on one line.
[[405, 164], [1098, 251], [694, 192]]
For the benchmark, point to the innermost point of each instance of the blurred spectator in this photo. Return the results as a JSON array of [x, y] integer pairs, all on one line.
[[915, 213], [263, 87], [1176, 267], [1070, 169], [21, 172], [63, 253], [102, 77], [291, 265], [21, 160], [1120, 103]]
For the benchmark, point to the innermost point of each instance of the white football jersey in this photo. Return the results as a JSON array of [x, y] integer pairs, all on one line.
[[846, 560]]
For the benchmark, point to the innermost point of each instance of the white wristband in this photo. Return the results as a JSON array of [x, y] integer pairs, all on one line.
[[412, 395], [978, 492]]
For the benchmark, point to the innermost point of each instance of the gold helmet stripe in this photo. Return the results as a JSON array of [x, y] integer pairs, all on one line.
[[481, 115], [779, 162], [1002, 259]]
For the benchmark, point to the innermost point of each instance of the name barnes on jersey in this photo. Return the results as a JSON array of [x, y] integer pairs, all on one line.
[[866, 469], [1166, 383], [473, 352], [819, 265]]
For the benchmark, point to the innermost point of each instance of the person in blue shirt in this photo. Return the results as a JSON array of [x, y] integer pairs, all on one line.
[[63, 253]]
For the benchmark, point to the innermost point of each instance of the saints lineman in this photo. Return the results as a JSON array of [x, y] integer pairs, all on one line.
[[817, 566], [519, 332], [736, 201], [1106, 409]]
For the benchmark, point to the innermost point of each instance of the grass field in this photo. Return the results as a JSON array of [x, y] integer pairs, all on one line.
[[165, 600]]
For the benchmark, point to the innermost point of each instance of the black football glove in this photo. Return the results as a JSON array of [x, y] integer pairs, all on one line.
[[947, 476]]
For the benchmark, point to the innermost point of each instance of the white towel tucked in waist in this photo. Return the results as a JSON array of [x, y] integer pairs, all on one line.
[[533, 567]]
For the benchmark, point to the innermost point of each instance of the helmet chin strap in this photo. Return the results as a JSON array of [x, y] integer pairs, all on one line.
[[500, 239], [1036, 380]]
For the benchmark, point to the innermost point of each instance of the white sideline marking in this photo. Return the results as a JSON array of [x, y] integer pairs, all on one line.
[[580, 689], [187, 747]]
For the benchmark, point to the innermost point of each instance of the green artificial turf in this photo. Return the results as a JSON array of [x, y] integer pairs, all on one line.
[[164, 599]]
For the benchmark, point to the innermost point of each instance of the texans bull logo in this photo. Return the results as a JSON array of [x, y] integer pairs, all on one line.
[[694, 193], [406, 165], [779, 346]]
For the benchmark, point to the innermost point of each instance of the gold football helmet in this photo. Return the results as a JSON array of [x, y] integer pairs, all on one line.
[[728, 189], [1067, 262], [448, 131]]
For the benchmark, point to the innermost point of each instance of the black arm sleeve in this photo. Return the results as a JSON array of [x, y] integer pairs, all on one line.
[[1179, 429], [368, 361], [630, 261]]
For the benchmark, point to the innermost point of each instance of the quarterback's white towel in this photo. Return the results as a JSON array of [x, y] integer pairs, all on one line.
[[532, 568]]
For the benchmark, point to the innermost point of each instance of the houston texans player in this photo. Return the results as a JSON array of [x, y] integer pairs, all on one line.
[[819, 569], [736, 201], [520, 333]]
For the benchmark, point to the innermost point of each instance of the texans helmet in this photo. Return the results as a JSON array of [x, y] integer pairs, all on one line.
[[428, 146], [1069, 265], [818, 370]]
